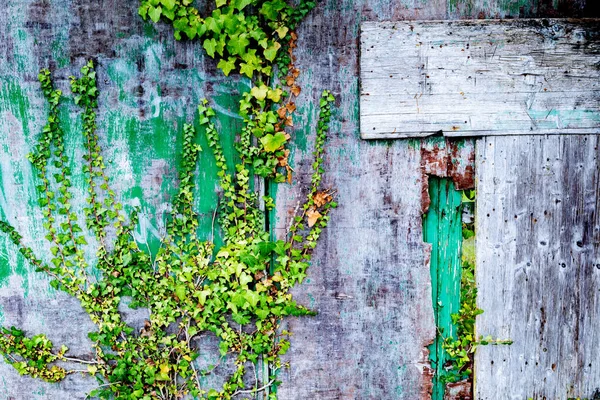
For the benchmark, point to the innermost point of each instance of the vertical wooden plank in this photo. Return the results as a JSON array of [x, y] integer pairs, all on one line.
[[369, 283], [442, 227], [538, 267], [370, 280]]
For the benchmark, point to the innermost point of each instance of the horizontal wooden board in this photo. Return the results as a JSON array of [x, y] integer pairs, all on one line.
[[482, 77]]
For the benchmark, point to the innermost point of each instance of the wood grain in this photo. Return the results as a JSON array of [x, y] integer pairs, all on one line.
[[368, 346], [538, 267], [475, 78]]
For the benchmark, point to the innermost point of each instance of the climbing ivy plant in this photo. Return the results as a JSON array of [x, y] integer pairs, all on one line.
[[239, 292]]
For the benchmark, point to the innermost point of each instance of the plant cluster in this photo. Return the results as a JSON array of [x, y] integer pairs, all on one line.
[[239, 292], [245, 35]]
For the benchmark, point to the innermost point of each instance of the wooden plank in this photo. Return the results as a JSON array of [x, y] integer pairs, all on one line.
[[370, 280], [538, 267], [442, 227], [475, 78]]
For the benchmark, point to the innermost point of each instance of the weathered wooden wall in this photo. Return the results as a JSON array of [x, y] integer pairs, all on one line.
[[369, 280], [538, 267]]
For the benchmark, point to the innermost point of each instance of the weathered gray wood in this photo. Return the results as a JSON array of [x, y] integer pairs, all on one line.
[[538, 266], [370, 279], [474, 78], [147, 73]]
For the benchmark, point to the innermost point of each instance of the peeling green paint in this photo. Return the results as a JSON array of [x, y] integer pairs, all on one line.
[[442, 227]]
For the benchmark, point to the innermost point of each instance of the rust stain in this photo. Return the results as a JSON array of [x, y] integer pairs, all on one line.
[[425, 199], [451, 158], [427, 373], [461, 166], [460, 390]]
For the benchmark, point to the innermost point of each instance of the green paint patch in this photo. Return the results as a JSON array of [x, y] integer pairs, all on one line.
[[514, 7], [442, 227]]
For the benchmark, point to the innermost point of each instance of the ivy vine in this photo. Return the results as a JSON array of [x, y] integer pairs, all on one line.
[[239, 292]]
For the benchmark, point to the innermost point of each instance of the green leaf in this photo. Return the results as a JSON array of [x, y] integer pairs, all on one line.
[[262, 313], [259, 93], [126, 259], [181, 292], [202, 295], [247, 69], [170, 14], [227, 66], [154, 13], [169, 4], [282, 31], [241, 4], [221, 3], [271, 52], [143, 11], [252, 297], [245, 279], [273, 142], [210, 45], [271, 9], [237, 44], [275, 95]]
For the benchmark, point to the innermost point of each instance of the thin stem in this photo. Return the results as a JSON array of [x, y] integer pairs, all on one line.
[[78, 360], [260, 389]]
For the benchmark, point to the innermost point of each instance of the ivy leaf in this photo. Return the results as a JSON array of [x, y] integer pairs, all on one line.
[[237, 44], [271, 9], [247, 69], [163, 374], [154, 13], [210, 45], [180, 292], [143, 11], [170, 14], [126, 259], [169, 4], [262, 313], [282, 31], [313, 216], [245, 279], [221, 3], [275, 95], [271, 52], [272, 142], [241, 4], [259, 93], [227, 66], [181, 24], [213, 25], [240, 318], [252, 297], [202, 295]]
